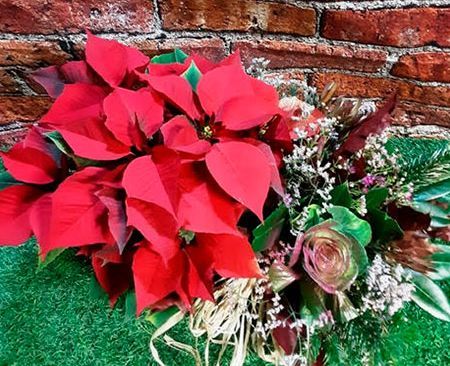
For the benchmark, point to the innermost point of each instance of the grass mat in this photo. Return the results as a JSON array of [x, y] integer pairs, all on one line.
[[52, 318]]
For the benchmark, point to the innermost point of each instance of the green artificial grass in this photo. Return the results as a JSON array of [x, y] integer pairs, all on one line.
[[53, 317]]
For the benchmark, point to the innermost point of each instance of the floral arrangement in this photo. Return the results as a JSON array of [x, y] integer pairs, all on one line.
[[279, 221]]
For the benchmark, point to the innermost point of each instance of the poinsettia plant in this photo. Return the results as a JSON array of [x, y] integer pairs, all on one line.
[[278, 219], [148, 168]]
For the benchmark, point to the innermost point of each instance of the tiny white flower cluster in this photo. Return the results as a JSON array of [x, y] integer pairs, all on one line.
[[388, 289], [309, 173], [273, 321], [377, 157], [385, 167], [324, 319], [362, 206]]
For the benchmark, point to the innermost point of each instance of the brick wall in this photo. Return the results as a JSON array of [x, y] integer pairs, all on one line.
[[370, 48]]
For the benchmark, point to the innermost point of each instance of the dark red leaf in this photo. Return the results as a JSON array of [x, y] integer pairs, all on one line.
[[54, 78], [114, 278], [373, 124], [286, 337], [51, 80], [117, 219], [277, 134]]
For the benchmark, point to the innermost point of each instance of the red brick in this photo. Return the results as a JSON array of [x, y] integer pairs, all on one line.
[[10, 136], [375, 87], [395, 27], [237, 15], [31, 53], [286, 54], [426, 66], [7, 83], [412, 114], [22, 108], [46, 16], [211, 48]]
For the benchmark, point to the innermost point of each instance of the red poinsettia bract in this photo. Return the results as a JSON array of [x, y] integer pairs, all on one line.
[[147, 168]]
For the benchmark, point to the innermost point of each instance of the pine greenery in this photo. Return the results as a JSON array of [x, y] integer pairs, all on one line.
[[425, 160]]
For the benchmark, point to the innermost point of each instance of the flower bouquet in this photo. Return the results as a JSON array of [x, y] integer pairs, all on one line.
[[280, 221]]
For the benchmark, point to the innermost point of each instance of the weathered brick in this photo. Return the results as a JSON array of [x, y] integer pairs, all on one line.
[[31, 53], [396, 27], [426, 66], [22, 108], [9, 137], [286, 54], [238, 15], [377, 87], [46, 16], [412, 114], [211, 48], [7, 82]]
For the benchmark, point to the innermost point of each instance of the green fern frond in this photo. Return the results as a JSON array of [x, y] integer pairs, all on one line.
[[425, 160], [335, 353]]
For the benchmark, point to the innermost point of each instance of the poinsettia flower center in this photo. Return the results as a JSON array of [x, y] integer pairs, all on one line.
[[187, 236], [207, 132]]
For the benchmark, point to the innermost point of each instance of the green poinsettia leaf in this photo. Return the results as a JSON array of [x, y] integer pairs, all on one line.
[[168, 58], [376, 197], [350, 224], [265, 234], [385, 228], [192, 75], [59, 142], [433, 191], [49, 258], [7, 180], [440, 262], [340, 196], [158, 318], [62, 146], [429, 296]]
